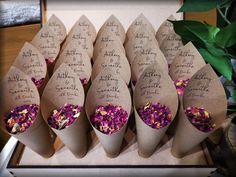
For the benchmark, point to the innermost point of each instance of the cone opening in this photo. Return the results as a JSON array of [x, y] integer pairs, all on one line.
[[64, 116]]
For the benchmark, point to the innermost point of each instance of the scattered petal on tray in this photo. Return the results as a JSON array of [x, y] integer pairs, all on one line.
[[155, 115], [109, 119], [200, 118], [180, 86], [64, 116], [21, 118]]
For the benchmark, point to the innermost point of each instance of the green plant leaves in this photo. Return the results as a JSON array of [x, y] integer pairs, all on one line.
[[226, 37], [221, 63], [199, 5]]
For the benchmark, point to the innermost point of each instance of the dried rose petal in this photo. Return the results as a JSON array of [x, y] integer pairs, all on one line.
[[84, 81], [180, 85], [109, 119], [64, 116], [21, 118], [134, 83], [38, 83], [200, 118], [49, 61], [155, 115]]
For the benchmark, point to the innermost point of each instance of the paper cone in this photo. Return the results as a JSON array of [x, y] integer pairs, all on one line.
[[113, 25], [140, 21], [82, 38], [65, 87], [76, 58], [164, 30], [154, 86], [146, 57], [138, 41], [85, 25], [204, 90], [56, 25], [104, 41], [17, 90], [32, 63], [116, 62], [108, 88]]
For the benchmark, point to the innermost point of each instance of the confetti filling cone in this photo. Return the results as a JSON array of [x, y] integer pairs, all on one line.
[[200, 118], [84, 81], [109, 119], [21, 118], [65, 116], [38, 83], [180, 86], [155, 115]]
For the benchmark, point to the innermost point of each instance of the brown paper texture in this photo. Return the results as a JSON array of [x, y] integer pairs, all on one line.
[[85, 25], [18, 89], [140, 21], [147, 56], [203, 90], [164, 30], [108, 88], [56, 25], [31, 62], [138, 41], [116, 62], [113, 25], [47, 43], [154, 85], [82, 38], [171, 46], [65, 87], [104, 41], [76, 58], [186, 63]]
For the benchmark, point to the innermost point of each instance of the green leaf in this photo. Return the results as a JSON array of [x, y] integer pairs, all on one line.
[[199, 5], [226, 37], [234, 95], [221, 64], [215, 50], [213, 30]]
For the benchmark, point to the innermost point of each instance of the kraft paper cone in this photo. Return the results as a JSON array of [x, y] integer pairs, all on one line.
[[106, 40], [140, 21], [65, 87], [17, 90], [171, 46], [165, 29], [32, 63], [76, 58], [56, 25], [113, 25], [108, 88], [138, 41], [85, 25], [47, 43], [204, 90], [153, 86], [146, 57], [82, 38], [116, 62]]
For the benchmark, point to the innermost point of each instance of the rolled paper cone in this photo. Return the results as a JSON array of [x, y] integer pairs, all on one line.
[[204, 90], [164, 30], [56, 25], [106, 40], [65, 87], [85, 24], [140, 21], [18, 90], [153, 86], [108, 88], [112, 24]]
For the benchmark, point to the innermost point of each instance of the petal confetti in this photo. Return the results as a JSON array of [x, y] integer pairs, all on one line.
[[49, 61], [200, 118], [155, 115], [64, 116], [84, 81], [21, 118], [180, 86], [38, 83], [109, 119]]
